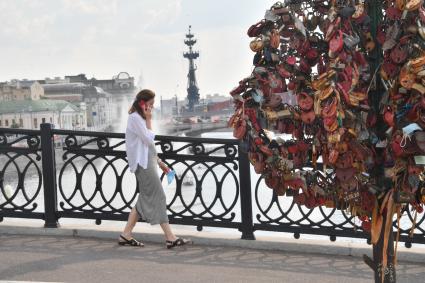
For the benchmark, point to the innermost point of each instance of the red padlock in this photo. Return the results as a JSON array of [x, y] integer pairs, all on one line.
[[337, 42], [389, 116], [291, 60]]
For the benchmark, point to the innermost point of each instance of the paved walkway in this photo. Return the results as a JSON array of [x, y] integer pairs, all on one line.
[[80, 259]]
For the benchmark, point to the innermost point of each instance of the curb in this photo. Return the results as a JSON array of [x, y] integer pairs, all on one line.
[[276, 244]]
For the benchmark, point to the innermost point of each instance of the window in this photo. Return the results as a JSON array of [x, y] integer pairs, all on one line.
[[0, 123], [43, 120], [35, 123], [6, 123], [21, 123], [51, 120]]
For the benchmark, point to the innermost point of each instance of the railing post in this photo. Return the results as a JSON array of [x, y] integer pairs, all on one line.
[[49, 176], [247, 228]]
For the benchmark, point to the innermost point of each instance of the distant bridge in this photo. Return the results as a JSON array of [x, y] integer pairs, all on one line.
[[195, 129], [208, 114]]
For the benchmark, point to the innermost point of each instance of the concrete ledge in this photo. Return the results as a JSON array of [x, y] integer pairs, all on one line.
[[152, 234]]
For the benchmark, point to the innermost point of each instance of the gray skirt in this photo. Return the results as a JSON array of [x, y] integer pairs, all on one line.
[[151, 204]]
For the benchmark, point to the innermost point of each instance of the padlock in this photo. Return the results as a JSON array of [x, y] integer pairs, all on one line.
[[404, 197], [370, 43], [399, 54], [421, 29], [257, 44]]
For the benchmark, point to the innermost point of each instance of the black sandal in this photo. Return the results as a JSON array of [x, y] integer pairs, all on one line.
[[131, 242], [178, 242]]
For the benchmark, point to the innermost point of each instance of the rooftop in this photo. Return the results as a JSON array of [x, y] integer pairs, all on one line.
[[76, 88], [25, 106]]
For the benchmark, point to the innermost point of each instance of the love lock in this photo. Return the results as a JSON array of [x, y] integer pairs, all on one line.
[[274, 38], [351, 192], [421, 29], [305, 101], [350, 41], [406, 79], [308, 117], [257, 44], [283, 72], [422, 195], [404, 196], [329, 110], [400, 4], [399, 54], [273, 101], [370, 43], [392, 13], [392, 34], [359, 10], [256, 29], [288, 31], [389, 116], [345, 175], [271, 16], [336, 43], [312, 54], [296, 42], [345, 161], [380, 34], [388, 70], [347, 11], [304, 67], [413, 5], [311, 21], [411, 29], [332, 29]]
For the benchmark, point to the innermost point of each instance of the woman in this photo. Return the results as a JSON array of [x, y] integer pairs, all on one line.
[[142, 160]]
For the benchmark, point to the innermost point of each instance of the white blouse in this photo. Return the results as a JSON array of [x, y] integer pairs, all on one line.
[[137, 140]]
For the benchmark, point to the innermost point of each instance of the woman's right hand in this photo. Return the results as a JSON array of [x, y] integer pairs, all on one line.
[[147, 111]]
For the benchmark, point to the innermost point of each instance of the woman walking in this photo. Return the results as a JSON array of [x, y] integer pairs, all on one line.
[[143, 161]]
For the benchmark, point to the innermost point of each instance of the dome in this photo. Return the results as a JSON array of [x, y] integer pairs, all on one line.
[[123, 76]]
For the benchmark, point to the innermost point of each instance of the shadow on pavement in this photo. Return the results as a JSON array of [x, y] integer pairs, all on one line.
[[56, 252]]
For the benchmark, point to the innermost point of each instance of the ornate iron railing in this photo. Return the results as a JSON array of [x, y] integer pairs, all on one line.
[[88, 177], [20, 162]]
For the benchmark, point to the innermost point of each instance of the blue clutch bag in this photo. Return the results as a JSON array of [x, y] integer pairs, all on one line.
[[170, 176]]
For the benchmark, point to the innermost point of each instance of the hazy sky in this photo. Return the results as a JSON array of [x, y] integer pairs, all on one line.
[[47, 38]]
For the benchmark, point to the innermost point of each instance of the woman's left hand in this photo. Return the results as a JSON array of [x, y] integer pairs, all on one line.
[[163, 167]]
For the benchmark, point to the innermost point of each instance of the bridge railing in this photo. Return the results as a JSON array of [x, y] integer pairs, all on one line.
[[88, 177]]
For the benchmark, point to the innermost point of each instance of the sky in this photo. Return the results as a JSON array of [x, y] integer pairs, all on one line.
[[49, 38]]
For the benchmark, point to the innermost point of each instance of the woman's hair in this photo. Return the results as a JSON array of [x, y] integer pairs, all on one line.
[[145, 95]]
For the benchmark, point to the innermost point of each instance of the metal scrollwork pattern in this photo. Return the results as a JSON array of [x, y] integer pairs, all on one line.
[[95, 184], [20, 172], [19, 141], [95, 179], [204, 188], [102, 143], [204, 198], [274, 213]]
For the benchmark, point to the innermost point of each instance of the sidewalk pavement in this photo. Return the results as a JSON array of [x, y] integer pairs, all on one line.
[[89, 253]]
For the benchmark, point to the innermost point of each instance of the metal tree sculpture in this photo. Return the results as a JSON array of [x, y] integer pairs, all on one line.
[[359, 108]]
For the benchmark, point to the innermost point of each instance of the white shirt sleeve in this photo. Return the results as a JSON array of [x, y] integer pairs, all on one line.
[[138, 127]]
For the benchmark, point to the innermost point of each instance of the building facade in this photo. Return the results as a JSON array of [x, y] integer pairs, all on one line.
[[121, 87], [29, 114], [98, 103], [21, 90]]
